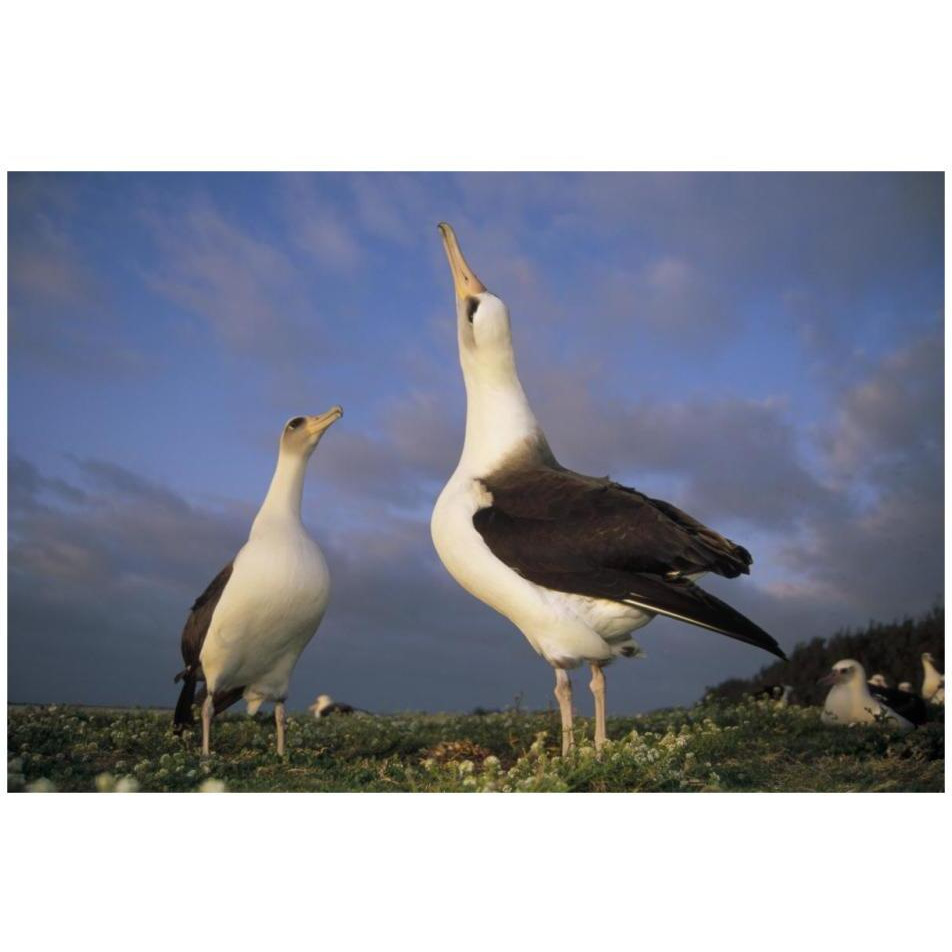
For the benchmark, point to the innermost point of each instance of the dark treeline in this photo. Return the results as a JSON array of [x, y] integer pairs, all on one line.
[[892, 649]]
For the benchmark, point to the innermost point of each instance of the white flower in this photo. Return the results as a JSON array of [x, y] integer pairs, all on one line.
[[105, 783], [43, 785]]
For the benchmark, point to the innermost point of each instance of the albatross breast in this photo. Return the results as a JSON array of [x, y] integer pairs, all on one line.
[[268, 612]]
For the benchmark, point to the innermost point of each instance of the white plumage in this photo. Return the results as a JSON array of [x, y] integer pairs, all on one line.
[[850, 702], [933, 681], [269, 611]]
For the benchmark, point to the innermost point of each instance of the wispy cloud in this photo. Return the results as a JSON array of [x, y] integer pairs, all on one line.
[[61, 313], [317, 227], [242, 285]]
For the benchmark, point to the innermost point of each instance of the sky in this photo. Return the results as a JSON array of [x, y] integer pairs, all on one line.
[[765, 351]]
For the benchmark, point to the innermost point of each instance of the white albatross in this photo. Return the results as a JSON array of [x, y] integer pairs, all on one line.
[[246, 631], [850, 700], [575, 563], [933, 681], [325, 705]]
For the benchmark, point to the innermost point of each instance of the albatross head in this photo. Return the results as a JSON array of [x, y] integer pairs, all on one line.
[[482, 319], [844, 672], [323, 701], [499, 420], [302, 433]]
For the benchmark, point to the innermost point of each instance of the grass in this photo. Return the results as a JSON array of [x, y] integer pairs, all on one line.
[[746, 746]]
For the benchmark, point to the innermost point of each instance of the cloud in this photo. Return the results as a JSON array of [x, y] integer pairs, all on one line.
[[672, 297], [241, 285], [885, 449], [392, 207], [61, 315], [317, 226], [99, 588], [893, 415]]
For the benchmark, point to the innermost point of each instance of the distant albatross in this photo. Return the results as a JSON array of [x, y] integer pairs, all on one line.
[[576, 563], [853, 701], [325, 705], [247, 630]]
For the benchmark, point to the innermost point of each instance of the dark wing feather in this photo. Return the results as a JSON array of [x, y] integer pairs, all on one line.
[[199, 618], [909, 706], [587, 521], [593, 537], [193, 637]]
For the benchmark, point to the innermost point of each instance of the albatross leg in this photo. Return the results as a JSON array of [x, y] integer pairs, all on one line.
[[563, 692], [280, 719], [208, 712], [597, 684]]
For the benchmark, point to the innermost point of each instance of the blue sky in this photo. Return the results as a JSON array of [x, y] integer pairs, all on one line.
[[763, 350]]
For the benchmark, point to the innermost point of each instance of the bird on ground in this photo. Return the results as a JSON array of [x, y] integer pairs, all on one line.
[[879, 681], [246, 631], [850, 700], [325, 705], [933, 681], [576, 563]]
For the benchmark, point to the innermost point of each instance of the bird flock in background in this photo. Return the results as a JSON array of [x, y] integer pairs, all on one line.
[[575, 562]]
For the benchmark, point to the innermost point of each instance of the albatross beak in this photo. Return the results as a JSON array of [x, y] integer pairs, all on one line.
[[318, 424], [465, 282], [830, 679]]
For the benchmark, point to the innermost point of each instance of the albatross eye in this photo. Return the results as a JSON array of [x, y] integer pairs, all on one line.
[[471, 305], [295, 423]]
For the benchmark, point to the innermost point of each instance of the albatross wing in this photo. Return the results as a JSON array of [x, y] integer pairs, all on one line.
[[594, 537], [193, 637], [909, 706]]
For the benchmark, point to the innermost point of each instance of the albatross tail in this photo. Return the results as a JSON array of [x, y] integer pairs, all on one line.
[[183, 709]]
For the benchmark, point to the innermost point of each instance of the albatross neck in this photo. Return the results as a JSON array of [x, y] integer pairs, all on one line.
[[282, 505], [499, 419]]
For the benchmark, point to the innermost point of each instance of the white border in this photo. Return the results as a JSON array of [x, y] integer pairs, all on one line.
[[482, 86]]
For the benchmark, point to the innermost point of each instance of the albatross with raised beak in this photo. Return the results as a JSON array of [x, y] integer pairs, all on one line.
[[246, 631], [576, 563]]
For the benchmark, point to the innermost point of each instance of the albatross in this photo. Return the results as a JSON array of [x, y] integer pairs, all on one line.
[[852, 701], [325, 705], [246, 631], [576, 563]]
